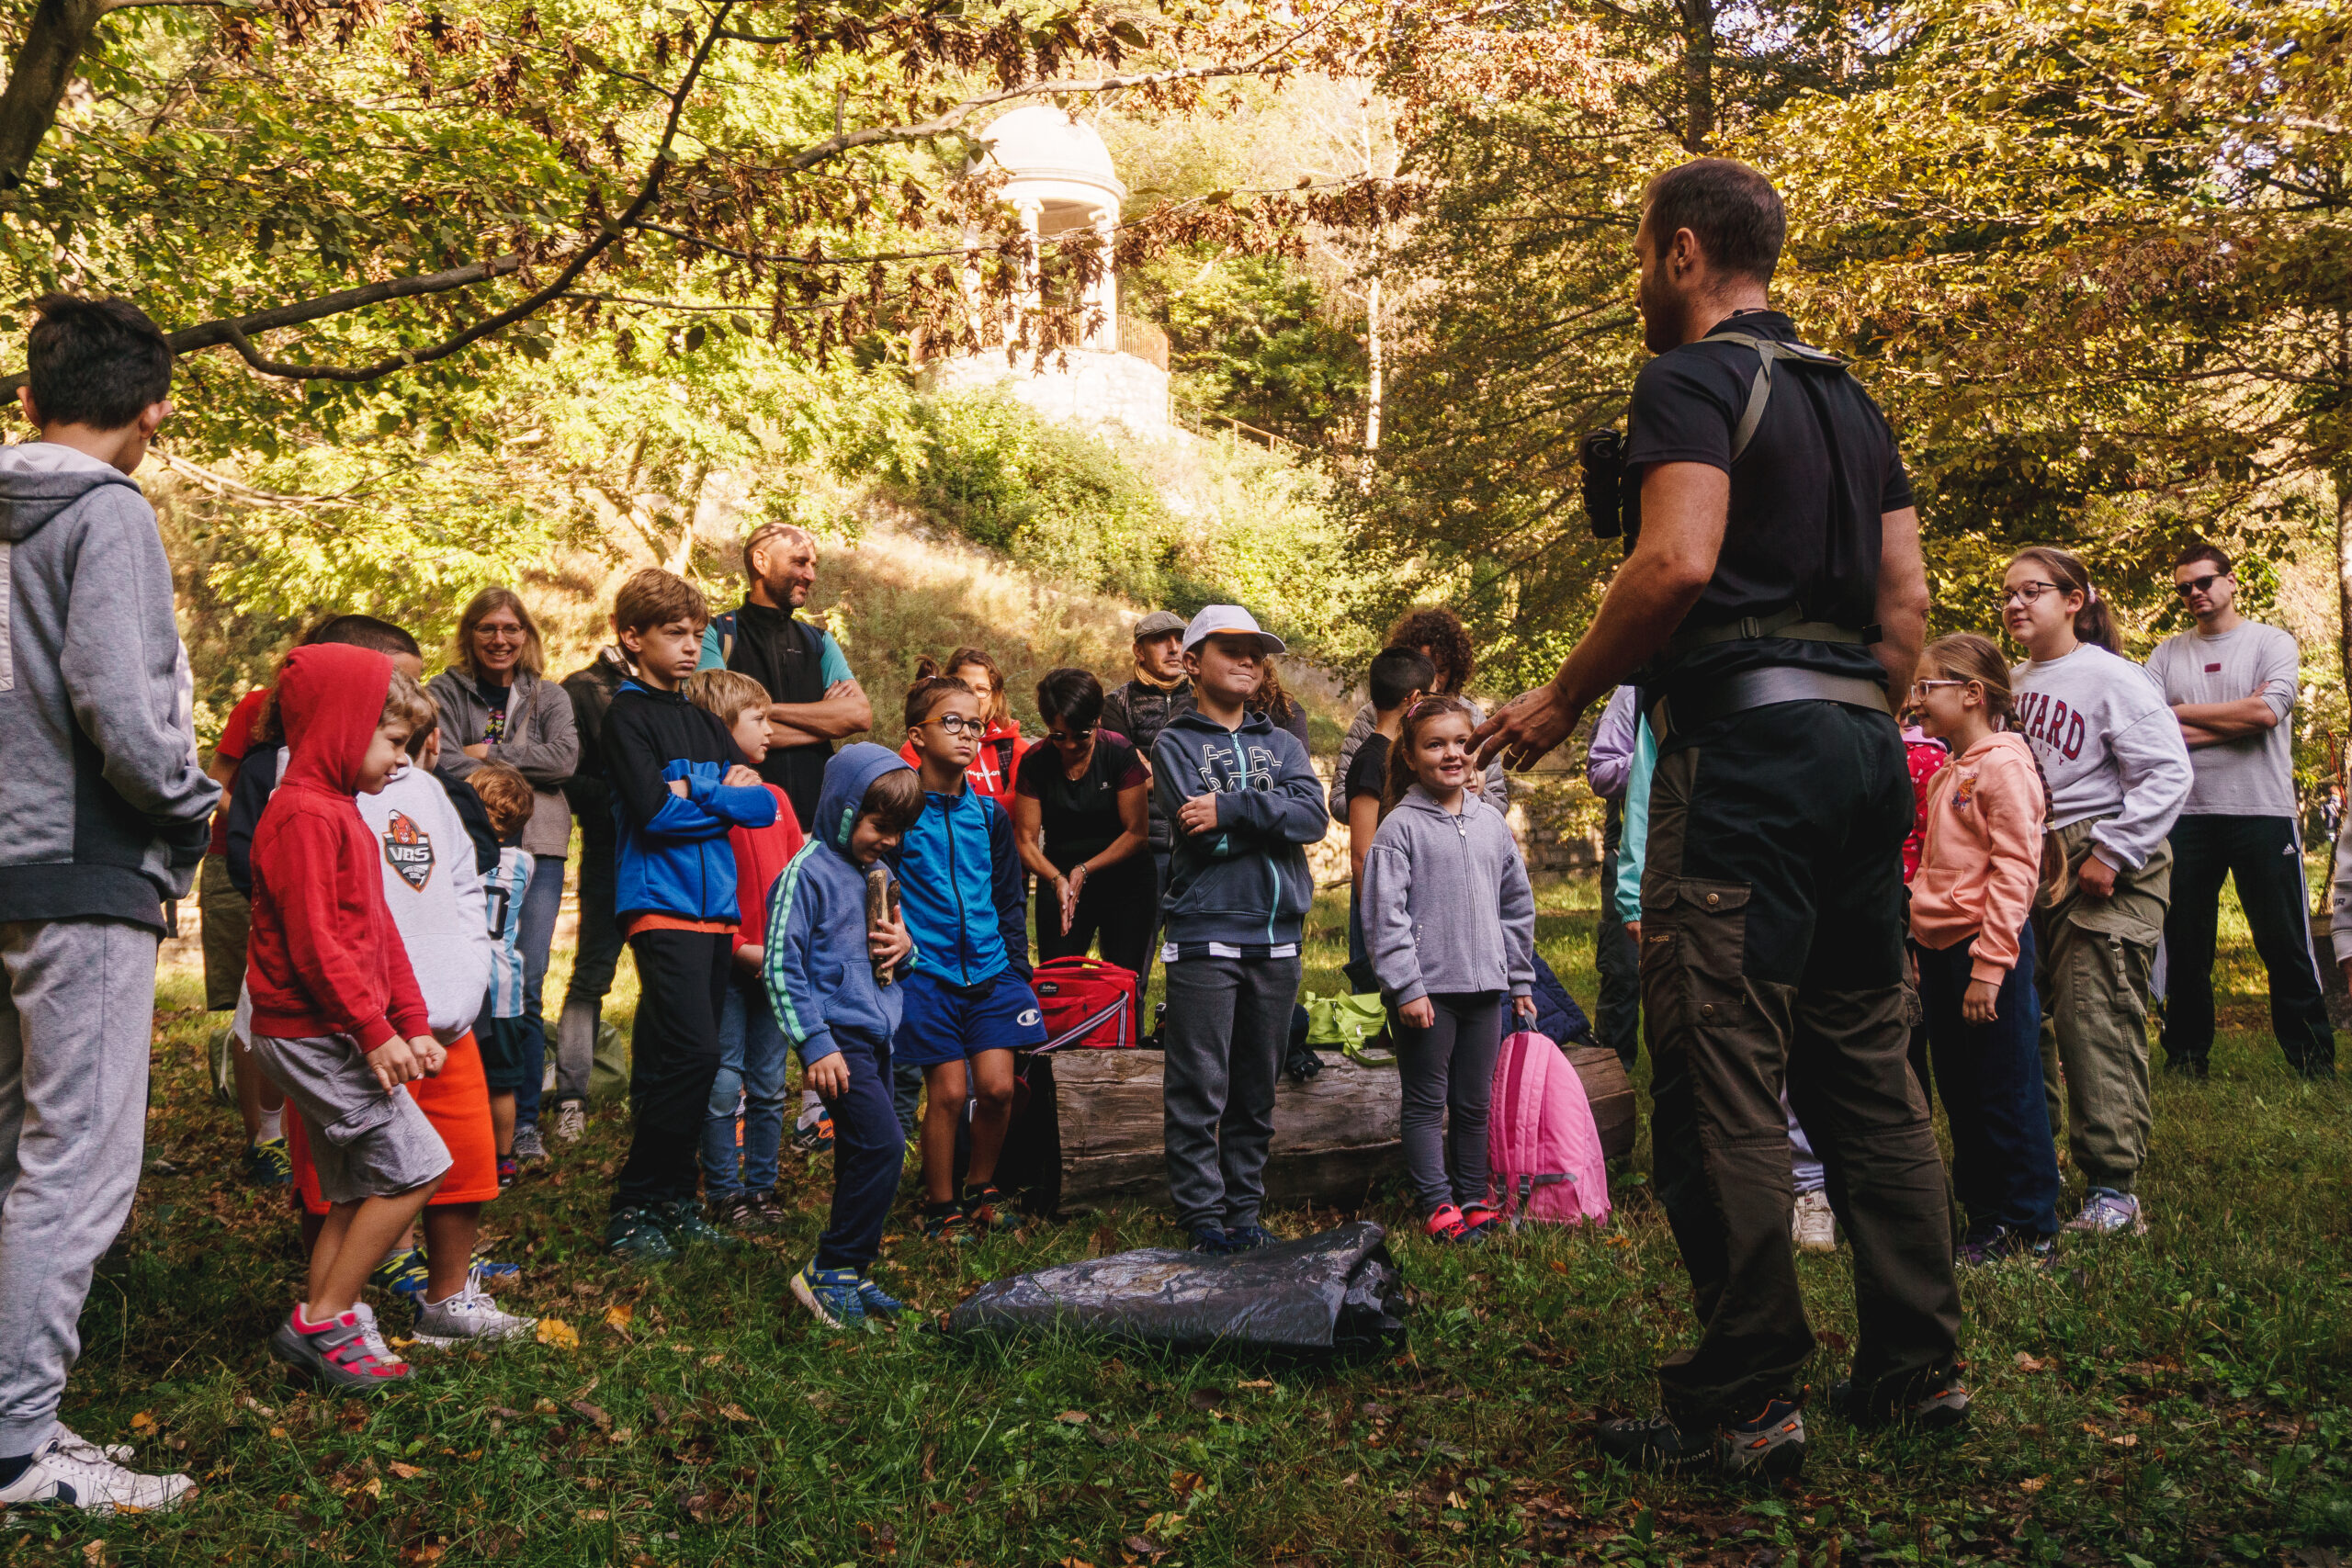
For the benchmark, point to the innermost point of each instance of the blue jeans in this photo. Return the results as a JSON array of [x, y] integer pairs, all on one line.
[[541, 903], [2004, 1169], [751, 1058]]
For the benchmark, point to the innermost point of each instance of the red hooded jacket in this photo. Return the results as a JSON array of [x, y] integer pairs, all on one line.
[[325, 957]]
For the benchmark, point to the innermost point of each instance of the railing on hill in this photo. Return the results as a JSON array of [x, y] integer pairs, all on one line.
[[1204, 423], [1143, 341]]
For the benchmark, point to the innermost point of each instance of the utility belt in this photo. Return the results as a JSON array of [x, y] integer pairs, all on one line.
[[1749, 689]]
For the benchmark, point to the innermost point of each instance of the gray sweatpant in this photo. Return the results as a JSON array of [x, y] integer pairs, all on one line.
[[76, 1019], [1447, 1073], [1229, 1021]]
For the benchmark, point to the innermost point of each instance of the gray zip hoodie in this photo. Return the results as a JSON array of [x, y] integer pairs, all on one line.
[[1447, 904], [103, 808]]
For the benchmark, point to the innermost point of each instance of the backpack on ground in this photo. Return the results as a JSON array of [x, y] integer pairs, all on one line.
[[1543, 1159], [1089, 1003]]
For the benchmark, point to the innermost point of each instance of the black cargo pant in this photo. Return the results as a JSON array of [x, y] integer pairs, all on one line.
[[1773, 923], [2264, 855]]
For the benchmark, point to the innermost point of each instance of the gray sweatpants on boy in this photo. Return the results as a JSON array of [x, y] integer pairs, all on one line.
[[77, 1013], [1229, 1023]]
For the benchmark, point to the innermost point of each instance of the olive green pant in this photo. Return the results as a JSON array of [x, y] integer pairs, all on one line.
[[2097, 957]]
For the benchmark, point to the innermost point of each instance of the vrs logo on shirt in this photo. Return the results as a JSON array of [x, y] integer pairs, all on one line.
[[408, 850]]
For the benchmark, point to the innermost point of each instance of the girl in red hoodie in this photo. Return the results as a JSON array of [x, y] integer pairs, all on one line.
[[1980, 868], [997, 758], [338, 1022]]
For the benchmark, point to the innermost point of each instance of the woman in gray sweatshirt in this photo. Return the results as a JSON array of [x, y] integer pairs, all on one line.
[[1450, 919]]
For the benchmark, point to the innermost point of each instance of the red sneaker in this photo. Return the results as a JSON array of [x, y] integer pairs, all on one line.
[[1445, 1226], [1479, 1218], [336, 1352]]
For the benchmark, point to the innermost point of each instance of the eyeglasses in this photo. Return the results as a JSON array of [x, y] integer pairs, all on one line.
[[2026, 592], [2198, 584], [1921, 688], [956, 724]]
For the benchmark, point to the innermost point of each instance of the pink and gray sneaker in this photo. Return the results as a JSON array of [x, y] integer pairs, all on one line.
[[339, 1353]]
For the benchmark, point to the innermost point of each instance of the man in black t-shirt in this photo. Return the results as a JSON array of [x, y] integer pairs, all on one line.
[[1773, 597]]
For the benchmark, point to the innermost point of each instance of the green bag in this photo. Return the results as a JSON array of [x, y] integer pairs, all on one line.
[[1349, 1024]]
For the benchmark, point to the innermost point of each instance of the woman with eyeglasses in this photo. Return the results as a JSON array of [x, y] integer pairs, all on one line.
[[2119, 774], [1081, 816]]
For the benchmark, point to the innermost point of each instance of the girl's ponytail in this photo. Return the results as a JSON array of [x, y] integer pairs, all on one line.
[[2094, 623]]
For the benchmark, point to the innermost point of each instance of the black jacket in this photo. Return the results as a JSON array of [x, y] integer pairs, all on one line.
[[591, 690], [1140, 712]]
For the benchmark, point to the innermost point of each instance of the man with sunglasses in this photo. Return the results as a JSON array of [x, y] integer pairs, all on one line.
[[2231, 682]]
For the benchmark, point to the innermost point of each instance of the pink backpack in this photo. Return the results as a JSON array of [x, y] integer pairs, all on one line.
[[1543, 1160]]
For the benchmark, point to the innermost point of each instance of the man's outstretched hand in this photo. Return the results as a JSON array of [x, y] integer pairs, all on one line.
[[1524, 728]]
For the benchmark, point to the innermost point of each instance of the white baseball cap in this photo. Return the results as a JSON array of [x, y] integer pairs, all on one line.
[[1219, 619]]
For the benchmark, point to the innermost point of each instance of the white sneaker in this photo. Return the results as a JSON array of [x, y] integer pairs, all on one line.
[[571, 1121], [2109, 1213], [69, 1470], [471, 1314], [1812, 1227], [70, 1441]]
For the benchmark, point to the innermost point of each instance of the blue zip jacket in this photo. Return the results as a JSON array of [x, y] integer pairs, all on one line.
[[672, 857], [820, 978], [1245, 884], [963, 892]]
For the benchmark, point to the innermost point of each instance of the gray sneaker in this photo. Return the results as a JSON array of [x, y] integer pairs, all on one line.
[[339, 1355], [1771, 1447], [2109, 1213], [571, 1121], [471, 1315], [528, 1150]]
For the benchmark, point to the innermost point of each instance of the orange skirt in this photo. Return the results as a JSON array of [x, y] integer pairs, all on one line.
[[458, 1104]]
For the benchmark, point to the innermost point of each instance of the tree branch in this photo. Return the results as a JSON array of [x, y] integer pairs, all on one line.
[[60, 30]]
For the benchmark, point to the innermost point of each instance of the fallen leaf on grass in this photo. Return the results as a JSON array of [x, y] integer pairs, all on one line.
[[556, 1332], [2034, 1484], [97, 1554], [596, 1516], [1256, 1382], [618, 1318], [714, 1358], [2128, 1440], [1185, 1482], [2029, 1364], [1557, 1267], [1074, 1563], [143, 1422], [405, 1471], [734, 1413], [594, 1413], [1144, 1546], [1104, 1438], [1074, 1418]]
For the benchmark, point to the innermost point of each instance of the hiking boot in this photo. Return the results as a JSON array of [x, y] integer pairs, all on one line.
[[528, 1150], [878, 1302], [946, 1222], [813, 1133], [468, 1316], [1247, 1238], [507, 1172], [635, 1235], [1771, 1447], [988, 1208], [571, 1121], [681, 1220], [831, 1295], [1811, 1225], [81, 1475], [1651, 1443], [269, 1163], [1210, 1241], [401, 1274], [337, 1353], [2106, 1213], [1941, 1411], [1445, 1227]]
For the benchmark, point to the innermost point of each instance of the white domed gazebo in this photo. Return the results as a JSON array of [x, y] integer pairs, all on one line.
[[1059, 180]]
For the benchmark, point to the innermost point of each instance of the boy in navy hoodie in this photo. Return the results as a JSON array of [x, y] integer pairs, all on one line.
[[677, 793], [1244, 802], [968, 1005], [825, 964]]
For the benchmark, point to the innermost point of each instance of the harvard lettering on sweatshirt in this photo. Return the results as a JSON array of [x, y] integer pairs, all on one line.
[[2110, 747]]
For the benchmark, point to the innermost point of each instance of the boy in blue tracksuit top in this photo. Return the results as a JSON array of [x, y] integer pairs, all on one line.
[[968, 1005], [677, 792], [819, 965], [1244, 802]]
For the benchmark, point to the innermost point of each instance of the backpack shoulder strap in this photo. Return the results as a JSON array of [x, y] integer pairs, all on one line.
[[1760, 391]]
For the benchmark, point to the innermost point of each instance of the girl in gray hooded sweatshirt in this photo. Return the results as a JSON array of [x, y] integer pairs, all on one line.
[[1450, 919]]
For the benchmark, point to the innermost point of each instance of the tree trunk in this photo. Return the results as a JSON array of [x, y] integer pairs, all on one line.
[[2340, 477], [43, 69], [1697, 75], [1375, 352]]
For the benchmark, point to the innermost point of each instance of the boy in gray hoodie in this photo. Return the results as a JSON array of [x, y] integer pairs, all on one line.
[[103, 818], [1244, 802]]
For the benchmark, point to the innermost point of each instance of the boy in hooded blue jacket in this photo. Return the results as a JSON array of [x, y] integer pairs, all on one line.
[[1244, 802], [678, 791], [830, 972], [968, 1005]]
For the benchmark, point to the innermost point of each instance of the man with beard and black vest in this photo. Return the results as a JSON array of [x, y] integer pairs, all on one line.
[[816, 700], [1773, 599]]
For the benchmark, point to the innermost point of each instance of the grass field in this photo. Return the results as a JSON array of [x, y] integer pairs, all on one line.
[[2177, 1399]]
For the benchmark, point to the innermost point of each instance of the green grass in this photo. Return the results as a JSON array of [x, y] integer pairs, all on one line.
[[2178, 1399]]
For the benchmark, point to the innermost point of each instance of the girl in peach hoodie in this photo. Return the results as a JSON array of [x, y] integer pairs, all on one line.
[[1980, 870]]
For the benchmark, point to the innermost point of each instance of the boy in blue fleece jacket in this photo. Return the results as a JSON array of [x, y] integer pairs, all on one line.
[[677, 793], [821, 965], [968, 1005], [1244, 801]]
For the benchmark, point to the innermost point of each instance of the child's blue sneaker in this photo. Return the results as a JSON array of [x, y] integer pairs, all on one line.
[[831, 1295], [1248, 1238], [402, 1274], [1211, 1240], [489, 1268], [878, 1302]]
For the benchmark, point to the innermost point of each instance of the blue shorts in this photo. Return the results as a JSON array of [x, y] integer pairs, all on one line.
[[947, 1023]]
